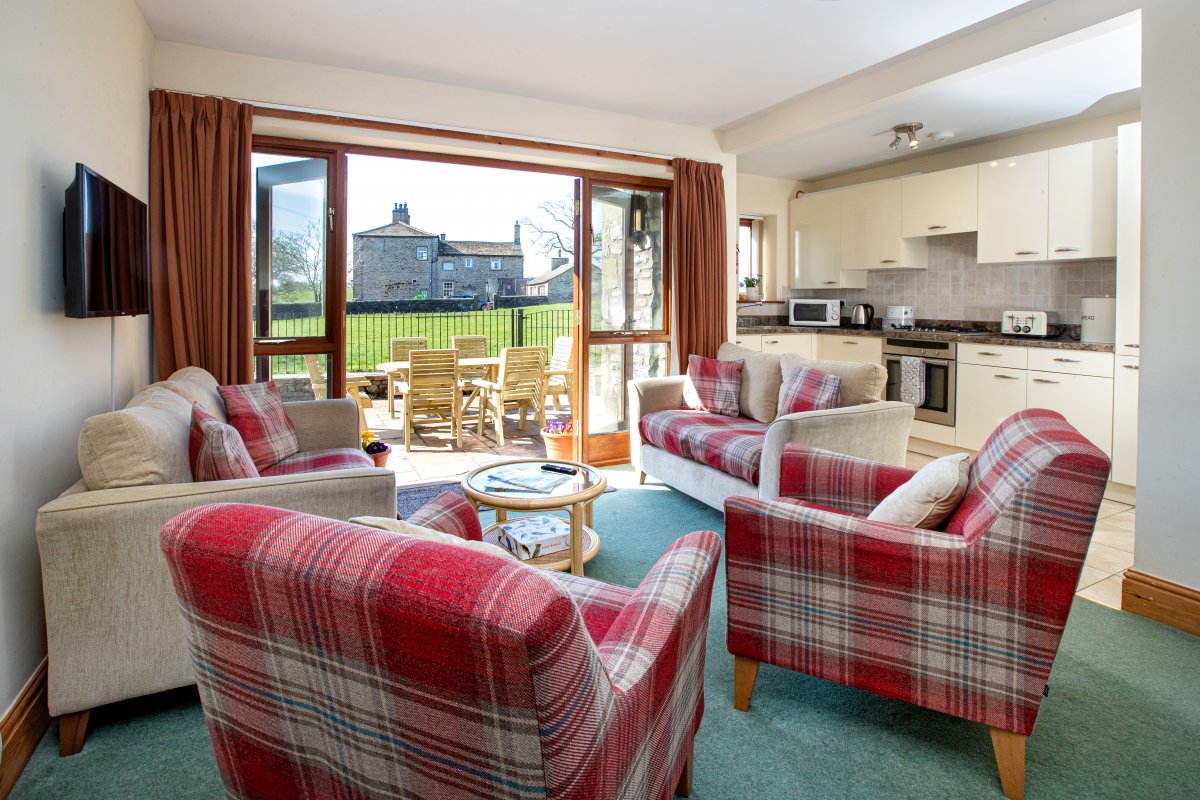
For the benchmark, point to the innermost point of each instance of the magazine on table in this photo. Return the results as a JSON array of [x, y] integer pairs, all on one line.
[[525, 478]]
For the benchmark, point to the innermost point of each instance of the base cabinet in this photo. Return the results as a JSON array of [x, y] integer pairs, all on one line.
[[859, 349], [750, 341], [1085, 400], [800, 344], [1125, 421], [986, 397]]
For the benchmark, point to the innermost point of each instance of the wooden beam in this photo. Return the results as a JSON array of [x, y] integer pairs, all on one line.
[[22, 728], [1161, 600]]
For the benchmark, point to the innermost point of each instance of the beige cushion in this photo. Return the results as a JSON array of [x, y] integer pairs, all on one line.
[[926, 499], [407, 528], [144, 444], [761, 379], [197, 386], [861, 383]]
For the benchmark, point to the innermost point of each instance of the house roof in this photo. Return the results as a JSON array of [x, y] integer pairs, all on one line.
[[397, 229], [449, 248], [546, 277]]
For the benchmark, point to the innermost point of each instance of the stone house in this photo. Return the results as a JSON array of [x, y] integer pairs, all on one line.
[[399, 261], [558, 284]]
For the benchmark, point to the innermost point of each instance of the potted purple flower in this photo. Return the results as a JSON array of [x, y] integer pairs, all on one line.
[[559, 436], [376, 449]]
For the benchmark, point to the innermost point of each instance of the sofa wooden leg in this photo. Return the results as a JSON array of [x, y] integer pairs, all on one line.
[[684, 787], [641, 478], [745, 672], [71, 730], [1010, 758]]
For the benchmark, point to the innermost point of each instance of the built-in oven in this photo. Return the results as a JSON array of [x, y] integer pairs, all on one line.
[[939, 359]]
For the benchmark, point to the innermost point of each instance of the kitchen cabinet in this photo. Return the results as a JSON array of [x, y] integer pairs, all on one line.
[[986, 397], [1075, 362], [1129, 239], [1013, 209], [1085, 400], [993, 355], [860, 349], [749, 341], [800, 344], [1082, 193], [871, 229], [1125, 421], [816, 242], [942, 202]]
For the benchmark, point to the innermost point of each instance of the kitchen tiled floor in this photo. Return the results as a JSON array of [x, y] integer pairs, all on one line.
[[1111, 552]]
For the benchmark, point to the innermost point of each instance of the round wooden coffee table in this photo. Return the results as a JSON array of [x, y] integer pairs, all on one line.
[[574, 495]]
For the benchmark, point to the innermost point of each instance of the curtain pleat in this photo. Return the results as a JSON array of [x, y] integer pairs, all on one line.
[[200, 234], [701, 290]]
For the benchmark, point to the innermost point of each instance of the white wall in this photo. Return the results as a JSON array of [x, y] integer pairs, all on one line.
[[75, 78], [1168, 530], [762, 196], [201, 70]]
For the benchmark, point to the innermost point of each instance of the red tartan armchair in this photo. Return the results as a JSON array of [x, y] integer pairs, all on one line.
[[966, 620], [340, 661]]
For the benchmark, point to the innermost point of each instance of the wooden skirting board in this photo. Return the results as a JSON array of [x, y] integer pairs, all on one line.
[[22, 729], [1162, 601]]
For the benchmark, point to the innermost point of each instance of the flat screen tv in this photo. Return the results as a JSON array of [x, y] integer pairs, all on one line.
[[105, 254]]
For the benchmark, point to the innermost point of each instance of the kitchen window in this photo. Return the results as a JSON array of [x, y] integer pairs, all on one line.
[[495, 263], [422, 254], [447, 265]]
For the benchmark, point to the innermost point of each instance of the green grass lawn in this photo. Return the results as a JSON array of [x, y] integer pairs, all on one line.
[[369, 335]]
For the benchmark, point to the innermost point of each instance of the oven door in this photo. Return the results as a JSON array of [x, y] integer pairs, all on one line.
[[939, 389]]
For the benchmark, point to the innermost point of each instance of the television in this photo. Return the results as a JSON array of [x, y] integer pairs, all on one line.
[[106, 259]]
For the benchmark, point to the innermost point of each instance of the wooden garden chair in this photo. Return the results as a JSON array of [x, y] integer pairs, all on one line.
[[470, 347], [432, 390], [355, 387], [520, 382], [561, 370], [401, 347]]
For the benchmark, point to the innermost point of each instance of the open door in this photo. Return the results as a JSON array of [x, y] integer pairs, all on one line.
[[623, 305]]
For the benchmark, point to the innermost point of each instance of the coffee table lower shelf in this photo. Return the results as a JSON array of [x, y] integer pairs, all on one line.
[[560, 561]]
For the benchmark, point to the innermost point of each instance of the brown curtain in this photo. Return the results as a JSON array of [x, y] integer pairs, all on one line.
[[701, 277], [200, 234]]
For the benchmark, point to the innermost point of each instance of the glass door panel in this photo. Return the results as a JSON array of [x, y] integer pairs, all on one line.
[[627, 290], [610, 366]]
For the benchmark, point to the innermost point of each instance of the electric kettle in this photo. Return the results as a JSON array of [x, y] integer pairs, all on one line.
[[862, 315]]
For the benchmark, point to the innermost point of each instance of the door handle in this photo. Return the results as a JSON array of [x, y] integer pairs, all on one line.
[[987, 353], [771, 341], [1043, 380], [1067, 360], [829, 283], [1130, 366], [274, 341], [1027, 252], [848, 341], [1066, 249], [1006, 377], [936, 228], [887, 261], [1134, 346]]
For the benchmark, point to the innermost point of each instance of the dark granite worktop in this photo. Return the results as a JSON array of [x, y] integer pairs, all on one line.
[[991, 336]]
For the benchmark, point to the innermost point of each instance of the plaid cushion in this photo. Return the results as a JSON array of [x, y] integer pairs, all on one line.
[[807, 389], [320, 461], [713, 385], [733, 445], [216, 451], [339, 661], [833, 480], [256, 411], [450, 513], [930, 618]]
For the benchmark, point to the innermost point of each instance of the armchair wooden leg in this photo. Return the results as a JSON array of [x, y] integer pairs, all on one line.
[[71, 730], [684, 787], [641, 478], [1010, 758], [745, 672]]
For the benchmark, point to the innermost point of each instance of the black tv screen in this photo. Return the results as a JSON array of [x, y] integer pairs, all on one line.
[[105, 256]]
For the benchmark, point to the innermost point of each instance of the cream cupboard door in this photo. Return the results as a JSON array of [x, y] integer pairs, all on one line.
[[940, 202], [1013, 209], [816, 231], [986, 397], [800, 344], [749, 341], [1129, 240], [871, 225], [1083, 200], [860, 349], [1085, 400], [1125, 421]]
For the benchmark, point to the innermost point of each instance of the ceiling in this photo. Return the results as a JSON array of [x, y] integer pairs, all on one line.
[[698, 62]]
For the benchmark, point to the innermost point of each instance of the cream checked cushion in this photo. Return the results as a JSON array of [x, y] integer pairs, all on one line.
[[143, 444], [928, 498], [408, 529]]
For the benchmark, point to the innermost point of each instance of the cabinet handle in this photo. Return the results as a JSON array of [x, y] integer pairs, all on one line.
[[1006, 377], [936, 228], [1027, 252], [848, 341], [1130, 366], [1043, 380], [987, 353], [737, 341], [887, 261], [1067, 360], [829, 283], [1066, 249], [771, 341], [1134, 346]]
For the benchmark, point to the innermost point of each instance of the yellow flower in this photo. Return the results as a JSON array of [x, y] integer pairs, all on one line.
[[367, 438]]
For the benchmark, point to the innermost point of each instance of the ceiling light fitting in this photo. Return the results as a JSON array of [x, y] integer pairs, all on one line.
[[908, 129]]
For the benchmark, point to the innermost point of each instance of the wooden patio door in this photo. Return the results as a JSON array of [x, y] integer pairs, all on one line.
[[623, 304]]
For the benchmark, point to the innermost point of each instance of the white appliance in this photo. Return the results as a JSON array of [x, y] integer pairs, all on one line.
[[817, 312], [1035, 324], [1099, 320], [898, 318]]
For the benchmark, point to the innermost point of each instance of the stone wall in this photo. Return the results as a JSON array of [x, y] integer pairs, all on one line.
[[387, 267]]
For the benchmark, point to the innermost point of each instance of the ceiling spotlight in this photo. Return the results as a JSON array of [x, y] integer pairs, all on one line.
[[908, 129]]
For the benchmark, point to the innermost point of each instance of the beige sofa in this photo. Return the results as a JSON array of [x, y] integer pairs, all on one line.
[[112, 622], [864, 425]]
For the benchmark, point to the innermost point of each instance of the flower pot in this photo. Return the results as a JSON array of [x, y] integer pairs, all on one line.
[[752, 294], [559, 445], [381, 458]]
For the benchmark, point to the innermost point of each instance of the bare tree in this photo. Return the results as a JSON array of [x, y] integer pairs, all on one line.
[[554, 229], [298, 259]]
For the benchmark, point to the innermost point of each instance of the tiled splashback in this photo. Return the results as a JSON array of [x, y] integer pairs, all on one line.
[[956, 287]]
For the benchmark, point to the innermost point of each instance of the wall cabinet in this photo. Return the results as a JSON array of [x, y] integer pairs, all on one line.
[[748, 340], [800, 344], [942, 202], [1129, 239], [860, 349], [1013, 209], [986, 397], [1082, 192], [1125, 421], [871, 229], [816, 242]]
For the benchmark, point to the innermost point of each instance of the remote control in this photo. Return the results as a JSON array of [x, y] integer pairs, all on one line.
[[559, 468]]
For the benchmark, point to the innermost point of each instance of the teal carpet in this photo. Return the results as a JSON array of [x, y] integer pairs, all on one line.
[[1122, 719]]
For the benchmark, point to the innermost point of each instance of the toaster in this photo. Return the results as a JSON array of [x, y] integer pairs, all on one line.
[[1028, 323]]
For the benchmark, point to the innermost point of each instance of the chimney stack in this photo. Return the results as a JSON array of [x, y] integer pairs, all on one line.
[[517, 232], [400, 213]]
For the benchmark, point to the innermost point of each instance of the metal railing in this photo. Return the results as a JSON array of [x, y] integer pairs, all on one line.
[[368, 336]]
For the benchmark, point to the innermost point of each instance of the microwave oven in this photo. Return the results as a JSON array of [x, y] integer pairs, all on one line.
[[815, 311]]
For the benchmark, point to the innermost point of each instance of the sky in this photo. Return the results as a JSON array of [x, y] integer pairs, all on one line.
[[470, 203]]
